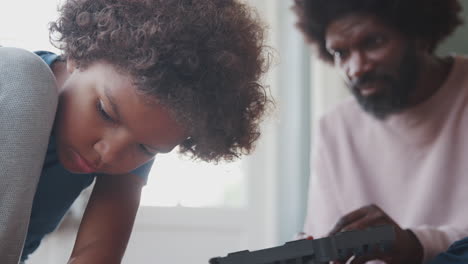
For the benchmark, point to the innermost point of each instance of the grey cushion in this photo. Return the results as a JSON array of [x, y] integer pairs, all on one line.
[[28, 101]]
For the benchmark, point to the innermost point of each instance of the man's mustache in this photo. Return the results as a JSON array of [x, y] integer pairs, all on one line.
[[371, 77]]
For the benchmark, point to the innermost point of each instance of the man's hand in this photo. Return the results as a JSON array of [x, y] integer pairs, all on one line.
[[406, 249]]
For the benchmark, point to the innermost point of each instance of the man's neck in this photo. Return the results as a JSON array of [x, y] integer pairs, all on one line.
[[433, 73]]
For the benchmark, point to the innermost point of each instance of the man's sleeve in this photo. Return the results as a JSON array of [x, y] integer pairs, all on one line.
[[456, 254], [437, 239], [323, 206]]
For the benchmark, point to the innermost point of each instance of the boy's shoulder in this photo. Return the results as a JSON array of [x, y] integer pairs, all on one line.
[[47, 56]]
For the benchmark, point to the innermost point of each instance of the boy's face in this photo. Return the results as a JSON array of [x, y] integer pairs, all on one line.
[[379, 64], [103, 126]]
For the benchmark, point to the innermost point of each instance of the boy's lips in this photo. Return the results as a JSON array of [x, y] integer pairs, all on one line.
[[82, 164]]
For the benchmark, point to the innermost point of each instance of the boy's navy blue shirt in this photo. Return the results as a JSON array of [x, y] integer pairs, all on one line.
[[57, 189], [456, 254]]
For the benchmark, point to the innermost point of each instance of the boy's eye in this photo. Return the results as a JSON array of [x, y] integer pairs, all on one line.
[[102, 112]]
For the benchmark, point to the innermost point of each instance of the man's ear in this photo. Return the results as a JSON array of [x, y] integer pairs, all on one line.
[[71, 65]]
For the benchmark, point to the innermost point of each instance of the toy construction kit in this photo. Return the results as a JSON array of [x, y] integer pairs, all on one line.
[[315, 251]]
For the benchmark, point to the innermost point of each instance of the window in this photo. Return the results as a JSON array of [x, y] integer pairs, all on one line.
[[24, 24], [176, 180]]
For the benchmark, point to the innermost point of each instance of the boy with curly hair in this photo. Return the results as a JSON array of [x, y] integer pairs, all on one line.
[[393, 154], [136, 79]]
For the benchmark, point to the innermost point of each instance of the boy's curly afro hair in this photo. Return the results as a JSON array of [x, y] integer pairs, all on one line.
[[429, 20], [201, 59]]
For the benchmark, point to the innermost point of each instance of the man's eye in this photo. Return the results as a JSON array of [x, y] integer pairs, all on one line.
[[104, 115], [375, 41], [379, 40], [338, 54]]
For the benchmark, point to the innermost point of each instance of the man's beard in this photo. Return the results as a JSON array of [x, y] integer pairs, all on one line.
[[394, 95]]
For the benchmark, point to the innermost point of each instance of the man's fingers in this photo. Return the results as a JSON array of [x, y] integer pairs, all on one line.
[[363, 218], [342, 261], [360, 260], [370, 219], [367, 221], [374, 256], [348, 219]]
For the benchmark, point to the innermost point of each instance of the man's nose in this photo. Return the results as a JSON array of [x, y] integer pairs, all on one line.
[[357, 65]]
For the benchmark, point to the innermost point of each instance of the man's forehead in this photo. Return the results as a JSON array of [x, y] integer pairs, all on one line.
[[353, 25]]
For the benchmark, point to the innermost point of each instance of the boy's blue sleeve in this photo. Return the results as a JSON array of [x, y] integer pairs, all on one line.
[[47, 56], [143, 170], [456, 254]]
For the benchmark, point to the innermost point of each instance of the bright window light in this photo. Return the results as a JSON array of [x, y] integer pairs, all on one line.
[[178, 181], [24, 23]]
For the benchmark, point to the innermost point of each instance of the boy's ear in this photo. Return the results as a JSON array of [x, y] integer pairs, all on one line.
[[71, 65]]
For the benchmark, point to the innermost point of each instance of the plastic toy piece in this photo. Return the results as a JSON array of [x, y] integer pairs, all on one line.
[[323, 250]]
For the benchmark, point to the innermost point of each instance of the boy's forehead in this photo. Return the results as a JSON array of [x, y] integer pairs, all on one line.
[[146, 120]]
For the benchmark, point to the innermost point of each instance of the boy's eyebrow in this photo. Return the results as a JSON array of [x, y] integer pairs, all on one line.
[[115, 109], [111, 100]]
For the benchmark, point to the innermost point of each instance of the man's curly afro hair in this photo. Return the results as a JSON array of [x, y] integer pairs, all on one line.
[[428, 20], [201, 59]]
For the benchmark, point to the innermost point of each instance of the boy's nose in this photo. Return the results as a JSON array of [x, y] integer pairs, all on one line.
[[110, 149]]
